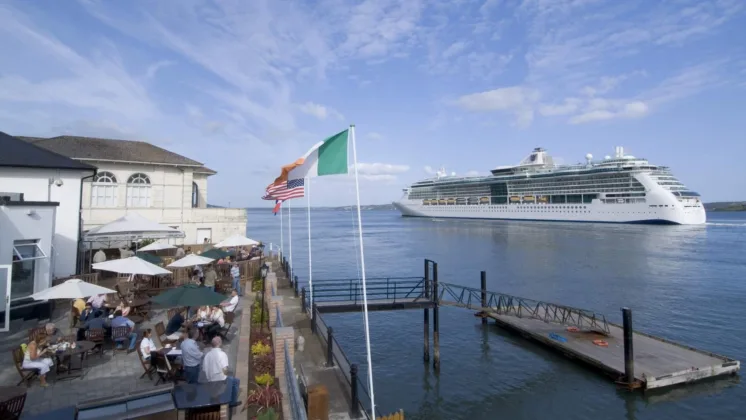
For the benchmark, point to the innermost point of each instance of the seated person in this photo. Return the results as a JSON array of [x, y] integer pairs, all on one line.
[[98, 303], [34, 358], [94, 322], [79, 304], [87, 313], [218, 322], [174, 325], [229, 305], [124, 308], [202, 314], [121, 321], [147, 344], [53, 333]]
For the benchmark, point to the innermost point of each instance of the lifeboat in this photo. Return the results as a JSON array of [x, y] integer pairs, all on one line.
[[528, 198], [425, 202], [484, 200], [442, 201], [451, 201], [515, 199], [543, 199]]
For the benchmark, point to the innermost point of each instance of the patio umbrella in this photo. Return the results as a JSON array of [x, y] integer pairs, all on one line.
[[188, 295], [131, 265], [215, 254], [156, 246], [190, 261], [236, 240], [153, 259], [131, 227], [71, 289]]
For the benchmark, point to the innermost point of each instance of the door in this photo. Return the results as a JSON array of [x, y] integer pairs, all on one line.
[[5, 272], [203, 234]]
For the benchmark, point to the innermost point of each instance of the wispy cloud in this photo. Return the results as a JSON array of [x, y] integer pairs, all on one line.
[[320, 111]]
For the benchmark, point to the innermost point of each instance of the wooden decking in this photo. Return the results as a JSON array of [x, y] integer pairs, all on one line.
[[658, 362]]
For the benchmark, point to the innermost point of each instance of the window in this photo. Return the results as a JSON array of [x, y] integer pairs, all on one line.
[[138, 191], [25, 254], [195, 195], [104, 190]]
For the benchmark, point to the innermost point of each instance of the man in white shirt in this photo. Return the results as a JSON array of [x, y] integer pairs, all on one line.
[[218, 322], [215, 366], [230, 304]]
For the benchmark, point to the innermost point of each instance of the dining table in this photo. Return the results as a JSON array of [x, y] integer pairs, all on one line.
[[64, 354]]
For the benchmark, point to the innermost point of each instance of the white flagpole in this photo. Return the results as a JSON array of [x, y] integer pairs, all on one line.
[[282, 230], [362, 271], [310, 266], [290, 235]]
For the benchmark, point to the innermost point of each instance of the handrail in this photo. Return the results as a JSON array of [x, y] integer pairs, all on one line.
[[297, 406], [343, 363], [381, 288]]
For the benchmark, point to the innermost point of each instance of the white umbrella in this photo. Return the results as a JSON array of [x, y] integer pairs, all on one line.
[[71, 289], [131, 227], [190, 261], [236, 240], [131, 265], [156, 246]]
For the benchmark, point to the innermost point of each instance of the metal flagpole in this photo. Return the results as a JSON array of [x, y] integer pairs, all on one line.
[[290, 235], [282, 231], [362, 271], [310, 266]]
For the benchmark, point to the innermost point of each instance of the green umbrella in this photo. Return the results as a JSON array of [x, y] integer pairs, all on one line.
[[215, 254], [188, 295], [153, 259]]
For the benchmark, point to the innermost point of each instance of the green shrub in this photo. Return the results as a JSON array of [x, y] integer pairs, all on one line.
[[264, 379]]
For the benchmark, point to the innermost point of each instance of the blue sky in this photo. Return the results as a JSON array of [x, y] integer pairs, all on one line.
[[246, 86]]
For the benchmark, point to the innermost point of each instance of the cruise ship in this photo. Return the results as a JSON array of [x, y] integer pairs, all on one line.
[[617, 189]]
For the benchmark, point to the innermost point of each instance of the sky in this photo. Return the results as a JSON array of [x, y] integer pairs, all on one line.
[[245, 86]]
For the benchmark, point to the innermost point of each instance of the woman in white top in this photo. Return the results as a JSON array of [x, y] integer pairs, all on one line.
[[33, 359], [147, 345], [203, 313]]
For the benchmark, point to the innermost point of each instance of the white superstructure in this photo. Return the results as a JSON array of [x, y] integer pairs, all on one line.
[[618, 189]]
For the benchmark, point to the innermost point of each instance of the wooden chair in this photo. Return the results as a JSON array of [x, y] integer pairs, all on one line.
[[160, 331], [27, 375], [210, 413], [228, 318], [11, 409], [148, 367], [166, 372], [34, 333], [98, 337], [120, 335]]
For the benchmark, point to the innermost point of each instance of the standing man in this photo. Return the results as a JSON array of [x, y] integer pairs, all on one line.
[[236, 275], [206, 245], [210, 277], [191, 356], [216, 368]]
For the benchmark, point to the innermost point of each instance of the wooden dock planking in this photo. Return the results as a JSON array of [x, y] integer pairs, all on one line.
[[658, 363]]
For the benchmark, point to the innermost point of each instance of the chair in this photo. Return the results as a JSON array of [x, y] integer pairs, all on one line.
[[27, 375], [98, 337], [12, 408], [228, 318], [148, 367], [160, 331], [209, 413], [118, 335], [166, 372]]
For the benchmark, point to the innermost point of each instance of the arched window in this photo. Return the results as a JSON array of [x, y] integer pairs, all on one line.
[[138, 190], [195, 195], [104, 190]]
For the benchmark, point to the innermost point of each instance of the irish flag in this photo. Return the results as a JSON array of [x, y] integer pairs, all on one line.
[[328, 157]]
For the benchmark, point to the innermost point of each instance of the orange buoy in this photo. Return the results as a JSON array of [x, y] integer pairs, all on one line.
[[601, 343], [573, 329]]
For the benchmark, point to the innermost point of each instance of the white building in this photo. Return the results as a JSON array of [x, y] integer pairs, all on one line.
[[135, 176], [39, 214]]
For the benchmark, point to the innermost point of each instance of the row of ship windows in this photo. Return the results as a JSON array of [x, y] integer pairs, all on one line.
[[515, 191], [541, 210]]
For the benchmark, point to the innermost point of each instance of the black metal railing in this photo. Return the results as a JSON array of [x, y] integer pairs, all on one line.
[[394, 289], [502, 304], [336, 357]]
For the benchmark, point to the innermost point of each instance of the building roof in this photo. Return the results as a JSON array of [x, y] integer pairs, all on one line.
[[22, 154], [99, 149]]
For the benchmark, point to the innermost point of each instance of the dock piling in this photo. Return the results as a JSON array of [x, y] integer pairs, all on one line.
[[314, 313], [426, 311], [436, 327], [354, 401], [295, 286], [303, 300], [329, 347], [483, 288], [629, 355]]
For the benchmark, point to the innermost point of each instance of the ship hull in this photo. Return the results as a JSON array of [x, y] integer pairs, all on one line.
[[633, 213]]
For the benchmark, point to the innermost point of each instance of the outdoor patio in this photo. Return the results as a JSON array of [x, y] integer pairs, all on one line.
[[104, 376]]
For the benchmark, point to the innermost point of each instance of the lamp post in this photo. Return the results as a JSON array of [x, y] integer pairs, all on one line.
[[263, 272]]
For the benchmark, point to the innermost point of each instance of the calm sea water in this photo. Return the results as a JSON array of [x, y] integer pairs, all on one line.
[[685, 283]]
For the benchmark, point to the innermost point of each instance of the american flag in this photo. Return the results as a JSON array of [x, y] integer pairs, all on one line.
[[295, 189], [272, 190]]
